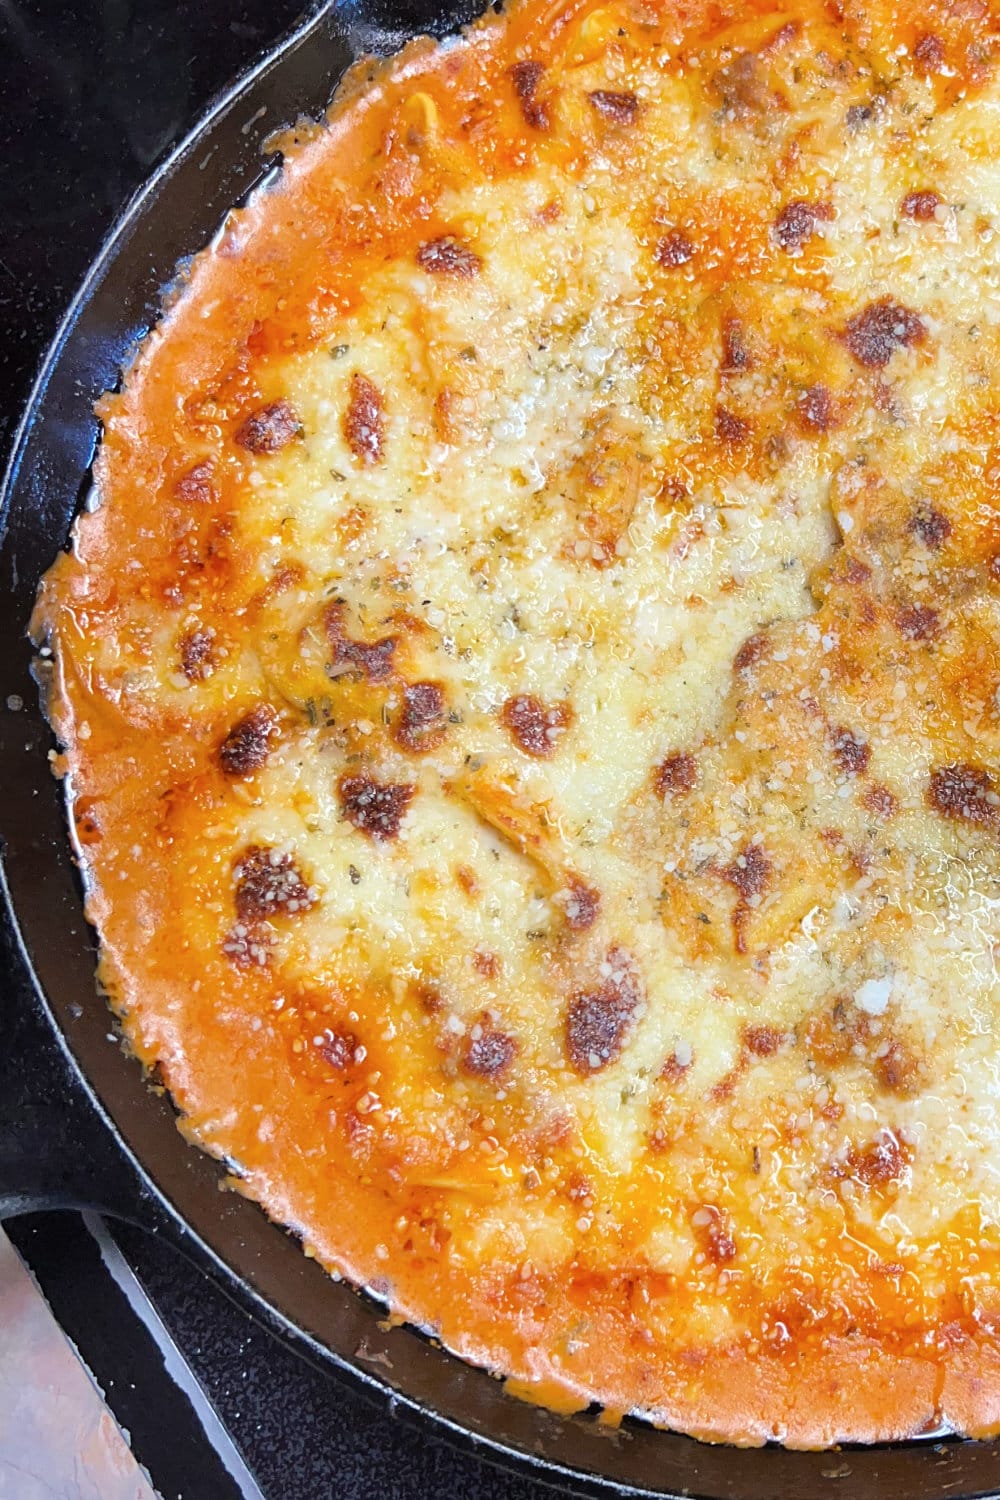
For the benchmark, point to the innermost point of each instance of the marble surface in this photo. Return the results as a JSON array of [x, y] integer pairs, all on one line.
[[57, 1437]]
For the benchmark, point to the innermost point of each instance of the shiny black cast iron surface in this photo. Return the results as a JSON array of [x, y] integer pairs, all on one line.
[[77, 1124]]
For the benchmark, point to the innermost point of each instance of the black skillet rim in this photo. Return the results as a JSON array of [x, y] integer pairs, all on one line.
[[255, 1261]]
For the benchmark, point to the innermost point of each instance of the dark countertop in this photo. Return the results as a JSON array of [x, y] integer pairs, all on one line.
[[93, 92]]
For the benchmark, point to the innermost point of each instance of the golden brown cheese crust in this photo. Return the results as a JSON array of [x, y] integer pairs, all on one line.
[[530, 697]]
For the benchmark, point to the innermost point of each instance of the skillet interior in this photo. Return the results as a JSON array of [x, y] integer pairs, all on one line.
[[263, 1266]]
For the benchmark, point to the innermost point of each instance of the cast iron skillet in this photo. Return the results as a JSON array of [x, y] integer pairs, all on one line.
[[79, 1127]]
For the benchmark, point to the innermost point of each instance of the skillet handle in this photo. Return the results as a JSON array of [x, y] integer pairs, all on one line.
[[55, 1150]]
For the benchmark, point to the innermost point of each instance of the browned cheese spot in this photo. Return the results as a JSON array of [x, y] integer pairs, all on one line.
[[750, 653], [364, 420], [526, 76], [535, 727], [921, 204], [673, 1069], [675, 775], [549, 213], [729, 428], [928, 52], [712, 1229], [339, 1048], [268, 882], [579, 1188], [964, 793], [447, 424], [360, 1133], [816, 409], [882, 802], [742, 87], [428, 996], [447, 256], [786, 32], [269, 429], [995, 569], [930, 526], [373, 660], [750, 872], [489, 1053], [897, 1069], [884, 398], [762, 1041], [859, 115], [874, 334], [581, 904], [620, 108], [487, 964], [375, 808], [851, 754], [420, 724], [674, 249], [196, 485], [598, 1020], [86, 821], [918, 622], [247, 745], [281, 579], [725, 1087], [797, 223], [878, 1163], [197, 655], [674, 491], [894, 1268], [248, 945], [736, 354], [720, 1246]]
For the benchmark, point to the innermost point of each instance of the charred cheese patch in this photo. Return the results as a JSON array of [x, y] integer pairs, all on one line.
[[530, 688]]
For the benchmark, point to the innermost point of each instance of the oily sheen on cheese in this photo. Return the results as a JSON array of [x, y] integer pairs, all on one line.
[[529, 689]]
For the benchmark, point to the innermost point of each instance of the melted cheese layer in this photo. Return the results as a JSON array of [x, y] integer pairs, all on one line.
[[530, 690]]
